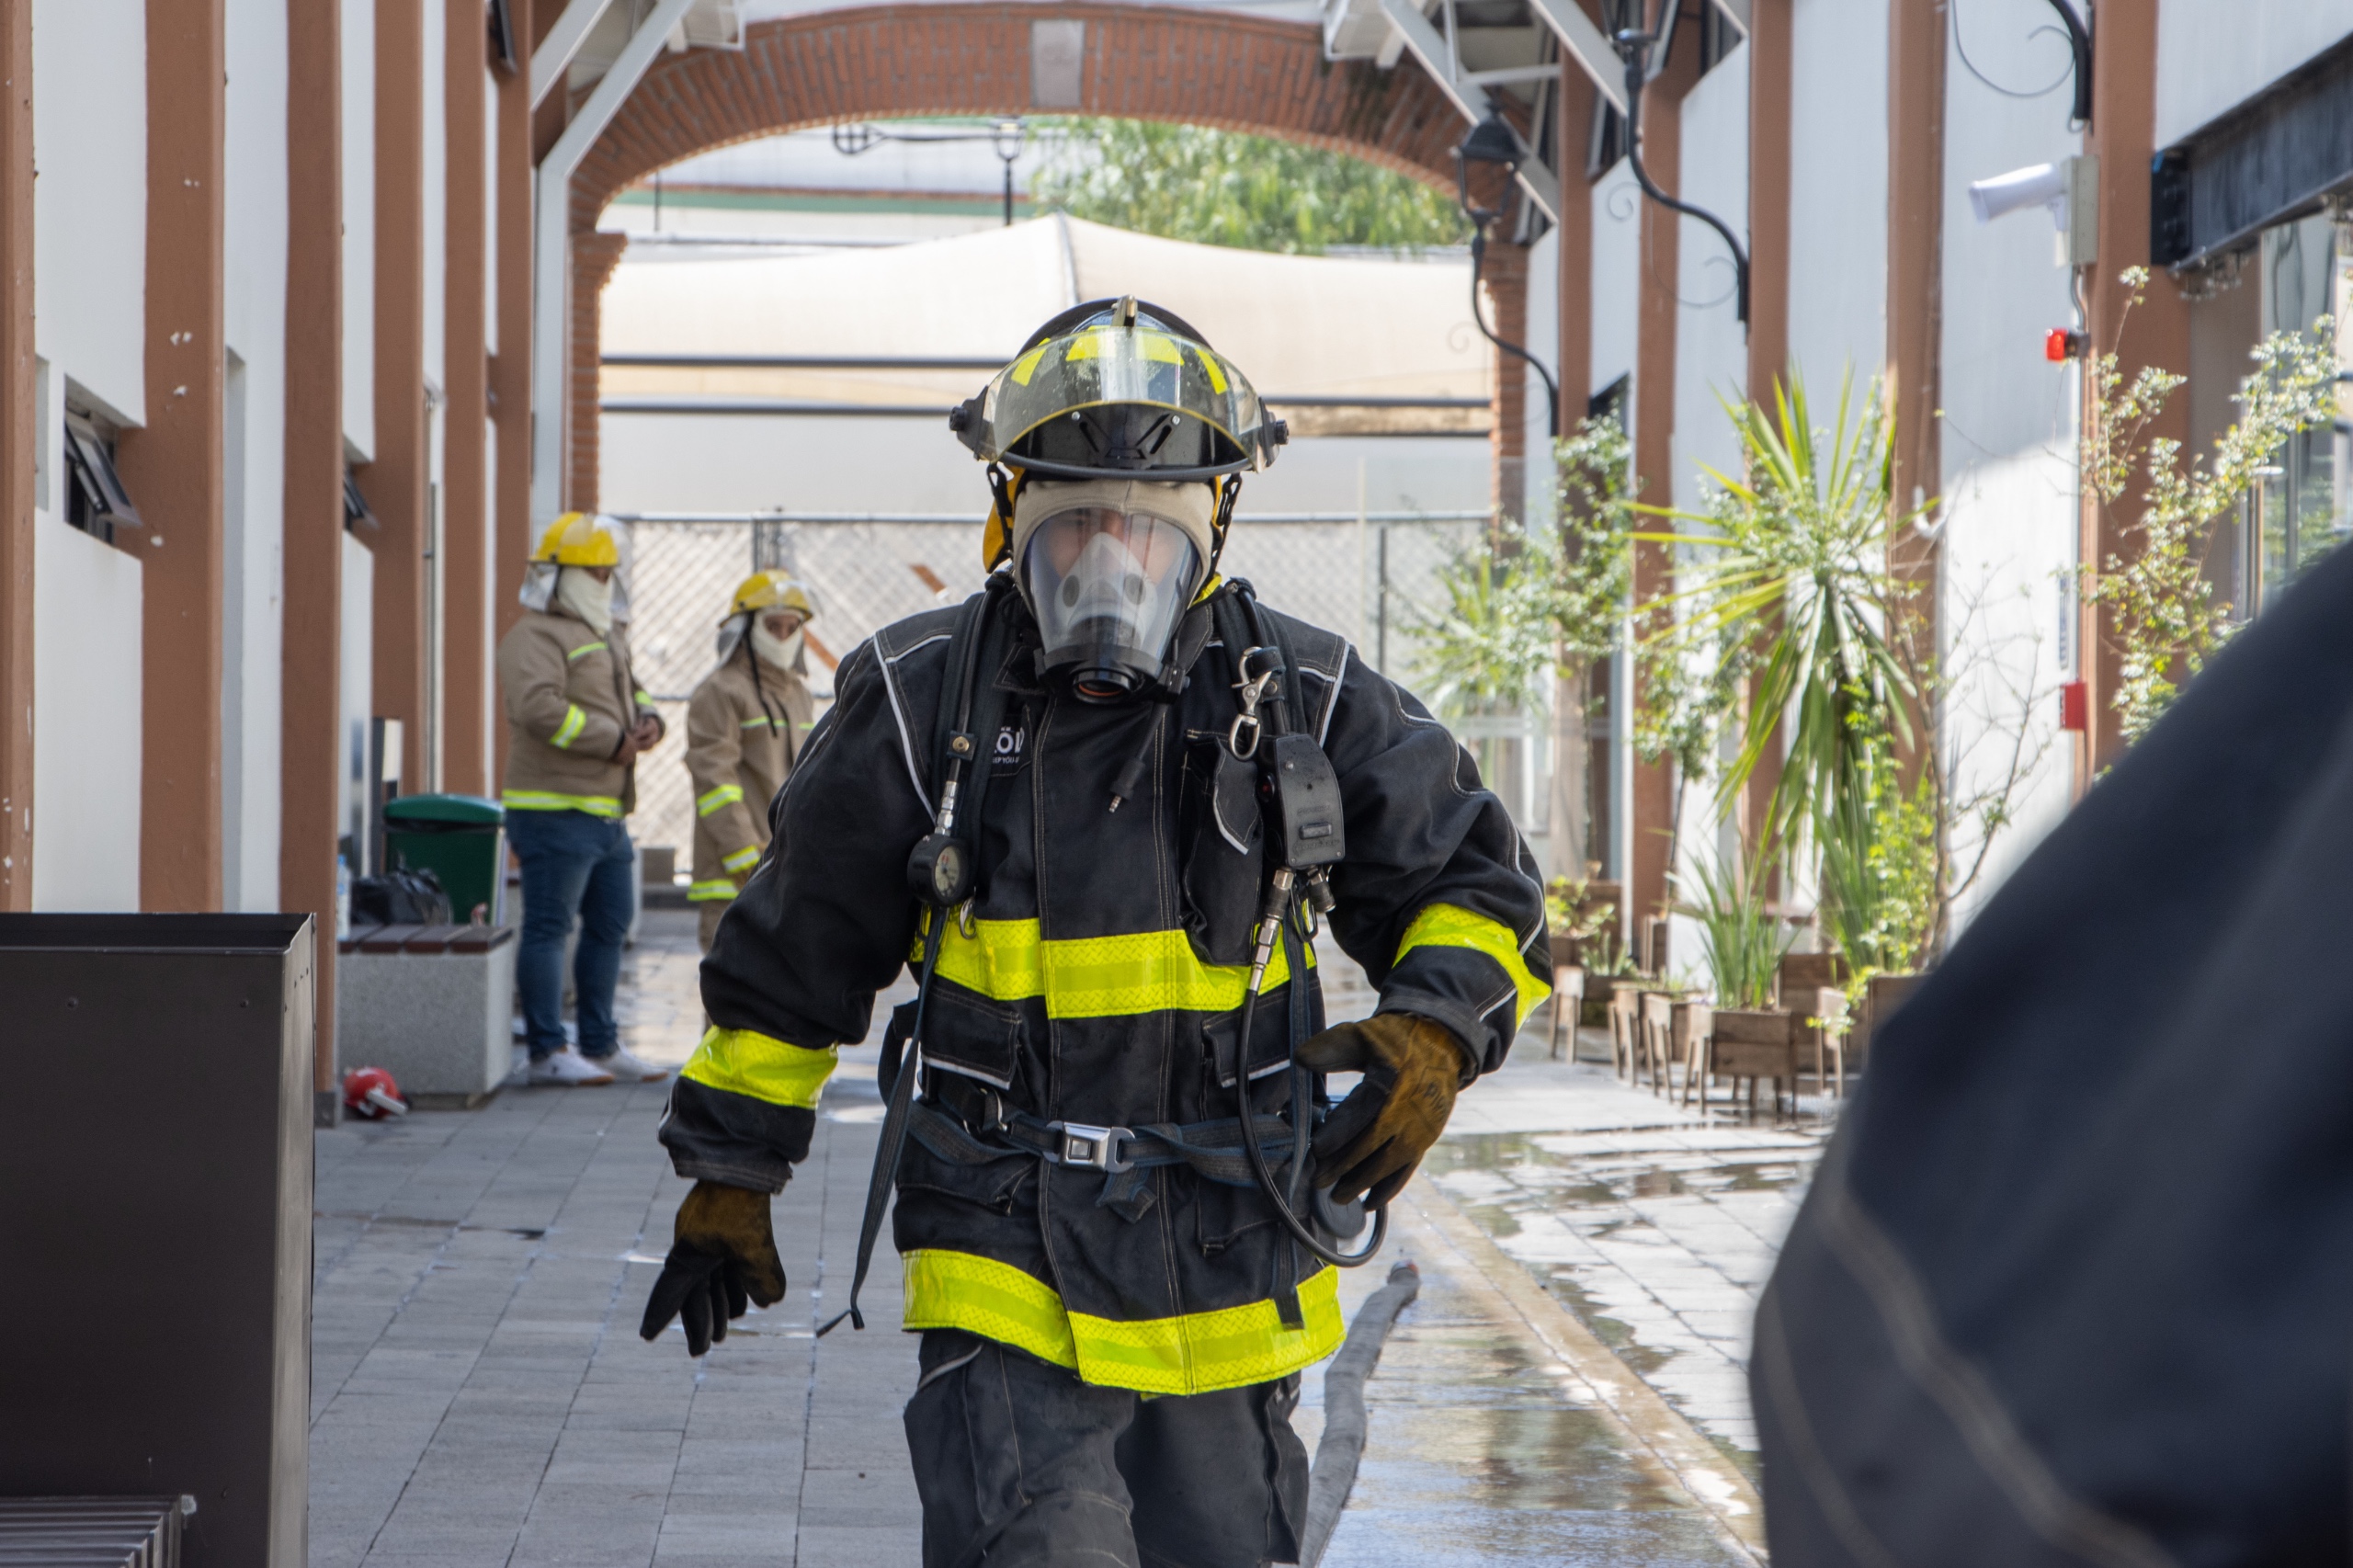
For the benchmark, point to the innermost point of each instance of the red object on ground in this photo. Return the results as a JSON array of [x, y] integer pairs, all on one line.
[[2076, 706], [370, 1092]]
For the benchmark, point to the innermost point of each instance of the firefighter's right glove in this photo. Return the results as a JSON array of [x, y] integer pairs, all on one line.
[[723, 1259], [1374, 1138]]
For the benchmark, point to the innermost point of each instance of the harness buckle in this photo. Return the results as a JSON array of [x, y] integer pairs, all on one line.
[[1095, 1148]]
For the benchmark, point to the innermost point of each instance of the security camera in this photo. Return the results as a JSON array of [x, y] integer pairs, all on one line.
[[2068, 189]]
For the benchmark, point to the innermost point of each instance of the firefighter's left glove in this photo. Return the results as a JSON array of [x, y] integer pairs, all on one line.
[[723, 1259], [1374, 1138]]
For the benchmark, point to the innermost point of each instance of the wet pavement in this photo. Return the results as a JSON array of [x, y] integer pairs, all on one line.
[[481, 1395]]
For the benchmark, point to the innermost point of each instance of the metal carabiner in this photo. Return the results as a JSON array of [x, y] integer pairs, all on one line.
[[1254, 691], [1233, 736]]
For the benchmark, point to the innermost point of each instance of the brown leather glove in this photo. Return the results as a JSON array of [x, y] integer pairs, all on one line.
[[723, 1259], [1374, 1138]]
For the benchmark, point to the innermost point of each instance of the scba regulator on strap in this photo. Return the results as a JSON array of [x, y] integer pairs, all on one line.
[[1298, 794]]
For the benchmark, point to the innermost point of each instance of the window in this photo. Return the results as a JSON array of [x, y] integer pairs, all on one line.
[[359, 517], [96, 501], [1719, 36], [1610, 402], [2302, 506]]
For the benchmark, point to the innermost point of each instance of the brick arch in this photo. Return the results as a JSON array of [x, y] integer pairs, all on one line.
[[1140, 61]]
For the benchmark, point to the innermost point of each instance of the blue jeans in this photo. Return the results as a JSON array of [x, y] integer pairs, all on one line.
[[574, 865]]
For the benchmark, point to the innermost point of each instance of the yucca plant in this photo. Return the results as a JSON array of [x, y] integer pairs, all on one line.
[[1791, 559]]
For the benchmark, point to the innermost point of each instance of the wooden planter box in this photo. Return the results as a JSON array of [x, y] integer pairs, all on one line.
[[1881, 996], [1754, 1043], [1599, 989]]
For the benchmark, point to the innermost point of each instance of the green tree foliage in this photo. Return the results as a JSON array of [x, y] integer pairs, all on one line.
[[2166, 622], [1222, 187]]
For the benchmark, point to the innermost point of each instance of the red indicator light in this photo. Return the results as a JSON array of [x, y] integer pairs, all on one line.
[[2075, 707]]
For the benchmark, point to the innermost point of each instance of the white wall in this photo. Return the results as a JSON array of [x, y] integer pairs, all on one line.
[[2212, 54], [1838, 190], [254, 271], [90, 200], [2008, 425], [1711, 346], [86, 721], [1617, 277], [357, 670], [359, 227], [89, 281]]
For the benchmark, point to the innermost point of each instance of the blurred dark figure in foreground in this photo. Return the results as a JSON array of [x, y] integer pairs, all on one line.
[[2074, 1282]]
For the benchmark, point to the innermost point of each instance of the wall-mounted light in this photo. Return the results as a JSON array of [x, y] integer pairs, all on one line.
[[1493, 143], [1634, 47]]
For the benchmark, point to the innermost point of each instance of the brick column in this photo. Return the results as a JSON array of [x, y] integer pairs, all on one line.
[[1915, 161], [1770, 56], [1572, 748], [20, 441], [311, 782], [174, 465], [466, 480], [395, 481], [594, 256], [2122, 133], [1505, 276]]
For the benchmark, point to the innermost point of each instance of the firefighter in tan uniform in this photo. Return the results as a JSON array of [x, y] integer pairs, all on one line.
[[577, 721], [745, 727]]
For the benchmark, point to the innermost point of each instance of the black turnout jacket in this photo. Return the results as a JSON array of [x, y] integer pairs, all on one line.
[[1098, 978]]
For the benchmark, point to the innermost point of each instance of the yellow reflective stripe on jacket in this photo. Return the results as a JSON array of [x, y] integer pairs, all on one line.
[[574, 720], [710, 800], [1451, 926], [1191, 1353], [743, 1062], [717, 888], [1094, 977], [644, 698], [762, 723], [743, 859], [548, 801], [584, 649]]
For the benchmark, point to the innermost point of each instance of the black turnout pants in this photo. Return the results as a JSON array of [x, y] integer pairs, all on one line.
[[1021, 1465]]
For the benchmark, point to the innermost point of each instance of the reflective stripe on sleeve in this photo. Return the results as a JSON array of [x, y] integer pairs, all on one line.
[[1187, 1354], [644, 698], [762, 723], [584, 649], [574, 720], [743, 1062], [1451, 926], [548, 801], [743, 859], [710, 800], [1095, 977], [709, 892]]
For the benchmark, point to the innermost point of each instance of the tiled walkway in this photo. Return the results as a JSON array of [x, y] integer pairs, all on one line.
[[481, 1397]]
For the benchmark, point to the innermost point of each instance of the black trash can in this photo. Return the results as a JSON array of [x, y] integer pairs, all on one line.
[[460, 839], [155, 1106]]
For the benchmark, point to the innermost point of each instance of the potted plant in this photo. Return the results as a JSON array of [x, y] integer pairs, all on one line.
[[1742, 942]]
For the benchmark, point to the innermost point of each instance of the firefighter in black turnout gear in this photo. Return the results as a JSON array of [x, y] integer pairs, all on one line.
[[1101, 809]]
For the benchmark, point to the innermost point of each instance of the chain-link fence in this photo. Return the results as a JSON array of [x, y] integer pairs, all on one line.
[[1366, 578]]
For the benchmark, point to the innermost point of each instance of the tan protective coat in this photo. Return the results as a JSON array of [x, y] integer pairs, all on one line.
[[570, 698], [742, 737]]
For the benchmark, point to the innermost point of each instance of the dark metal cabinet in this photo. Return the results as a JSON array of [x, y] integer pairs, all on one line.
[[155, 1219]]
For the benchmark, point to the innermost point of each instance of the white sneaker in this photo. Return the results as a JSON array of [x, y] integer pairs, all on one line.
[[568, 1069], [630, 1069]]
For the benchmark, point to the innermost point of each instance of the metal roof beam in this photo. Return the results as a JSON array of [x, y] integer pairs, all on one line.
[[1469, 95], [1583, 43]]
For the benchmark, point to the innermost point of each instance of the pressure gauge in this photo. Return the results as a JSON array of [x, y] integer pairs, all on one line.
[[940, 871]]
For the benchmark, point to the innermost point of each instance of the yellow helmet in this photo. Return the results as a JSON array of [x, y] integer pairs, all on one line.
[[772, 590], [578, 539]]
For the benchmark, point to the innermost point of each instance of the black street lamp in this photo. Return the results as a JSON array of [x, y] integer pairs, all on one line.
[[1634, 47], [1493, 142]]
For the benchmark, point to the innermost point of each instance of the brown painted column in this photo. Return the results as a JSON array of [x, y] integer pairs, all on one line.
[[20, 441], [310, 783], [594, 256], [1770, 55], [1653, 807], [1915, 161], [510, 372], [1504, 274], [394, 482], [465, 478], [2123, 132], [1572, 749], [173, 465]]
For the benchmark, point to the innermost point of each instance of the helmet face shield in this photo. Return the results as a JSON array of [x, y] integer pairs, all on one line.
[[1121, 393], [1109, 586]]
